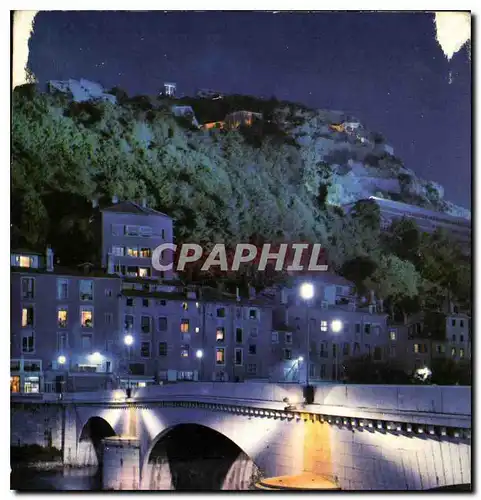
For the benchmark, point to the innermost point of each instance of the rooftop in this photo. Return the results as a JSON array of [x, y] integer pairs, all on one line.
[[129, 207]]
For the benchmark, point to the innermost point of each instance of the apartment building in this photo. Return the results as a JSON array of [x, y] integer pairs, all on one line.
[[193, 334], [130, 234], [62, 321]]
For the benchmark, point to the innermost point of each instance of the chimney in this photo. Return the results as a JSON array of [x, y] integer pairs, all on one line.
[[144, 202], [115, 199], [49, 259]]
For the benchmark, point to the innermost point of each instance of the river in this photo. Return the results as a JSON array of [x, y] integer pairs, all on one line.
[[25, 478]]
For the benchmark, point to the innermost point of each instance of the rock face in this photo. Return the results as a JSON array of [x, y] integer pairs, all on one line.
[[355, 163], [81, 90]]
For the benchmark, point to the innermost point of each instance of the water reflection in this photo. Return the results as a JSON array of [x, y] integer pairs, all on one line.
[[65, 479]]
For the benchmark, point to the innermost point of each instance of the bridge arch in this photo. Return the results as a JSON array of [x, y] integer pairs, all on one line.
[[90, 440], [192, 456]]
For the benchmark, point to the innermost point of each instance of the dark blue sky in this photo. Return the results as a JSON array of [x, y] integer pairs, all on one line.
[[387, 69]]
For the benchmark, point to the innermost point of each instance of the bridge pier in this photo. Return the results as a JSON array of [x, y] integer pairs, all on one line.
[[121, 464]]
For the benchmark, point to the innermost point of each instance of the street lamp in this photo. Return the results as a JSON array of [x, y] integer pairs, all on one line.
[[61, 360], [128, 341], [306, 291], [199, 354], [336, 327]]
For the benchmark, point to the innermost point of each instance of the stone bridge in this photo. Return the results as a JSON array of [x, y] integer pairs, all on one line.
[[354, 437]]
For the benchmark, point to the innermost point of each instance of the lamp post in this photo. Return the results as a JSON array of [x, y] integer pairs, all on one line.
[[128, 341], [336, 327], [199, 355], [61, 360], [306, 292]]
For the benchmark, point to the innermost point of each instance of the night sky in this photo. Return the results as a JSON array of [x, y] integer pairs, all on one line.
[[386, 69]]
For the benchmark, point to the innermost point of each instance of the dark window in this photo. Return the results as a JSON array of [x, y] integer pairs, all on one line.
[[28, 288], [129, 302], [162, 348], [137, 368], [129, 322], [377, 353], [252, 313], [221, 312], [461, 323], [453, 322], [345, 349], [238, 356], [145, 324], [238, 335], [287, 354], [334, 350], [145, 302], [252, 349], [163, 302], [461, 338], [367, 328], [162, 324], [358, 327], [145, 350]]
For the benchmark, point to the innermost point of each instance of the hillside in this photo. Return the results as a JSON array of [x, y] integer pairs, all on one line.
[[284, 178]]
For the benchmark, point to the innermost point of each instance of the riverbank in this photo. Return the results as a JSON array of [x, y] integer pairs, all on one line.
[[33, 455]]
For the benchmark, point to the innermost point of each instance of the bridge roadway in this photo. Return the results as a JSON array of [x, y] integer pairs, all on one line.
[[354, 436]]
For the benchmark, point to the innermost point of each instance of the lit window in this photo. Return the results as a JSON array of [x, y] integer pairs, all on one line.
[[15, 383], [392, 334], [323, 326], [185, 306], [219, 356], [220, 334], [24, 261], [453, 352], [145, 253], [416, 348], [27, 316], [62, 316], [461, 353], [197, 329], [86, 288], [28, 288], [184, 326], [31, 385], [86, 317], [144, 272]]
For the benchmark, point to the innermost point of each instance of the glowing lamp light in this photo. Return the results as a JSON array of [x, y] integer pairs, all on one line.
[[300, 359], [336, 326], [199, 354], [306, 291], [96, 357], [423, 373], [61, 360], [128, 340]]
